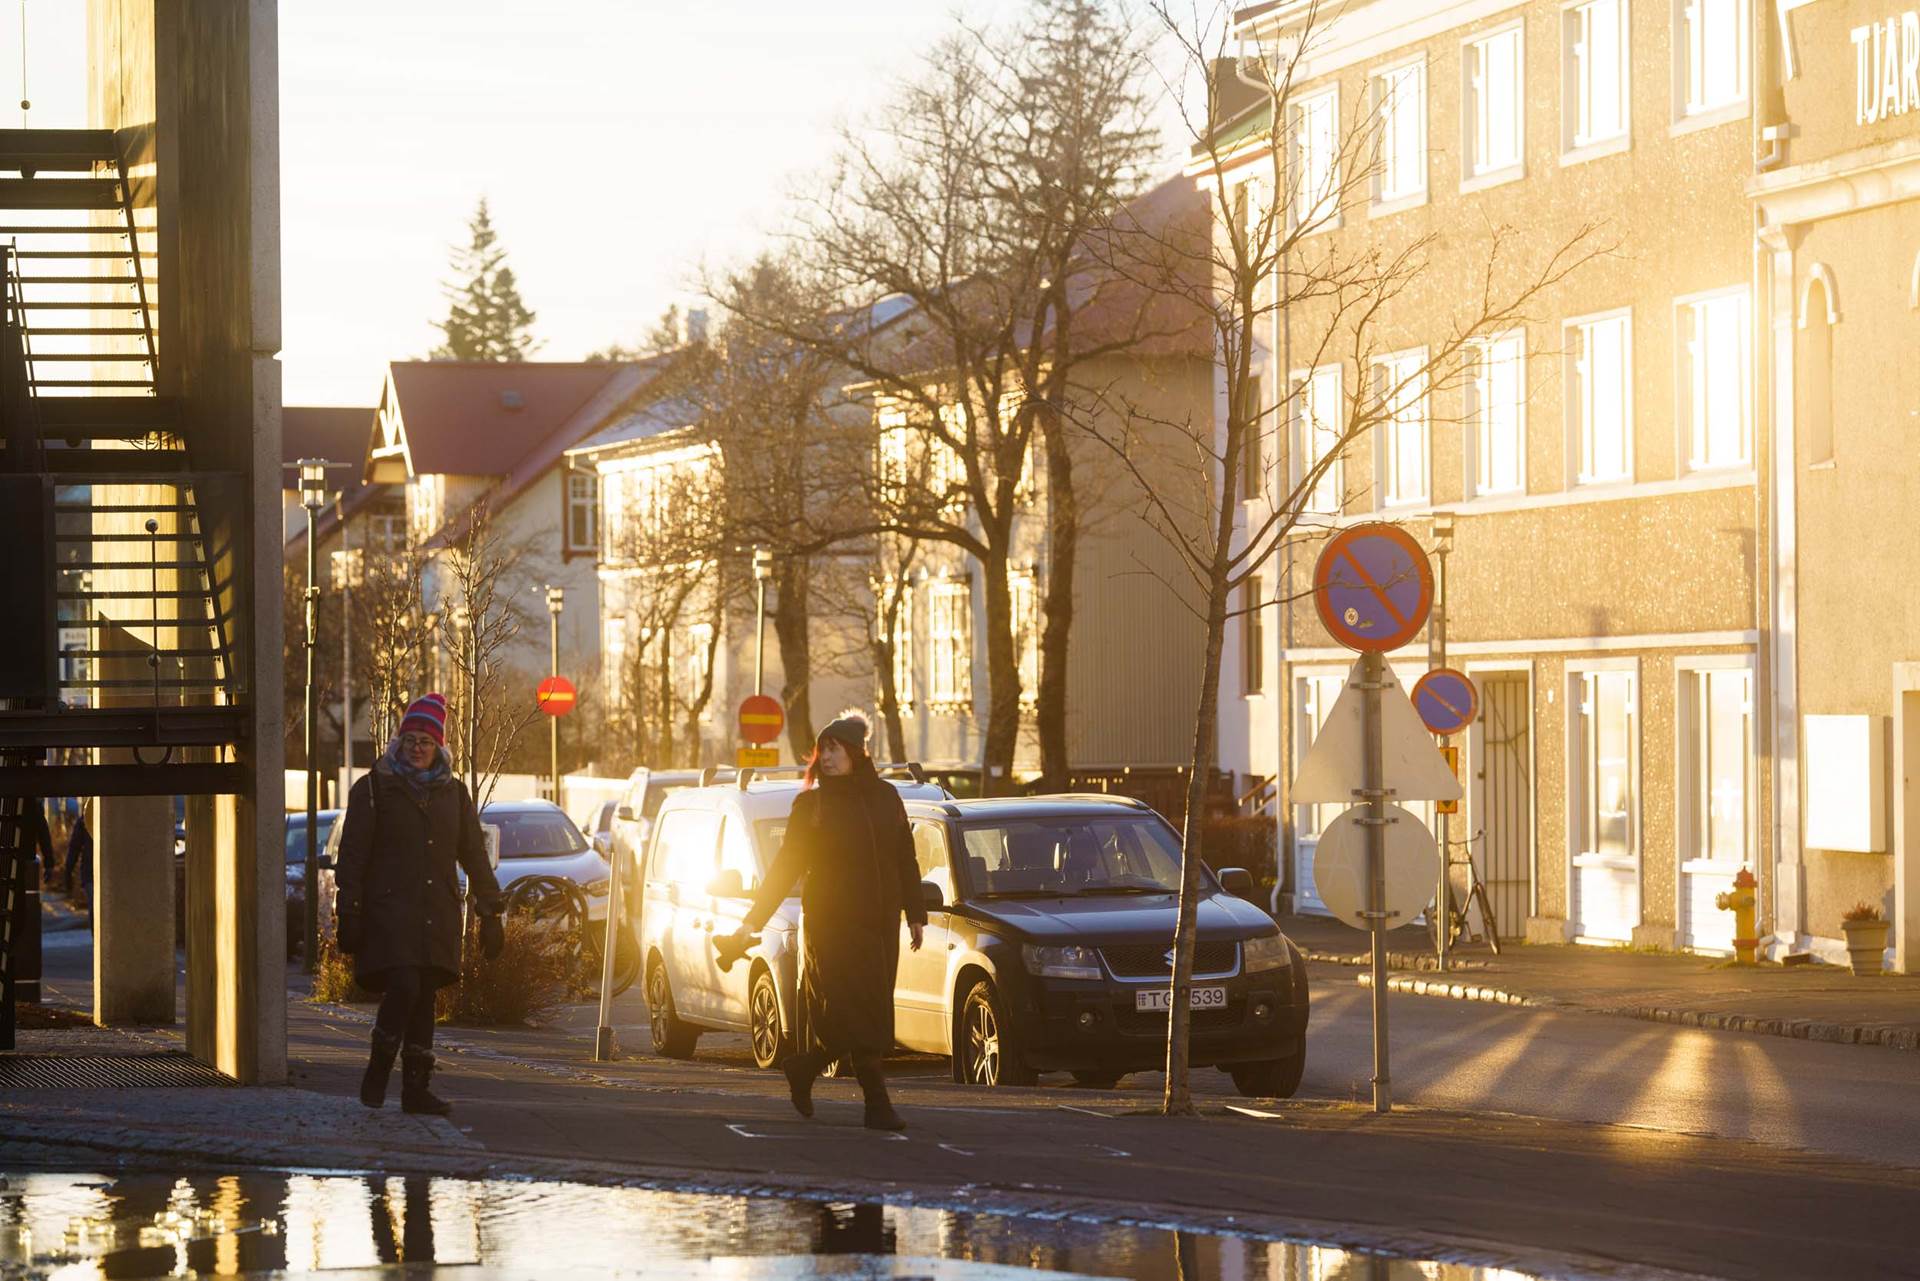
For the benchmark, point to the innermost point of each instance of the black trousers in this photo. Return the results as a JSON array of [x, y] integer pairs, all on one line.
[[406, 1009]]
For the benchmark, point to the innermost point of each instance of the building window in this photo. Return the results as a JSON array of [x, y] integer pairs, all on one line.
[[1813, 373], [1316, 156], [1316, 438], [694, 667], [386, 531], [891, 462], [1600, 397], [946, 470], [949, 642], [1494, 92], [1595, 73], [1496, 413], [899, 637], [1716, 406], [1024, 592], [1717, 756], [1253, 633], [1400, 149], [1400, 390], [1604, 774], [1710, 55], [583, 511], [1250, 413]]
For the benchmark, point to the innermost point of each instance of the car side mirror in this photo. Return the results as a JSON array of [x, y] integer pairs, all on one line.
[[931, 896], [727, 883], [1237, 881], [624, 813]]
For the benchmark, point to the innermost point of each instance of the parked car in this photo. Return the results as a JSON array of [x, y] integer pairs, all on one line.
[[538, 839], [632, 823], [711, 846], [1052, 950], [325, 821], [599, 828]]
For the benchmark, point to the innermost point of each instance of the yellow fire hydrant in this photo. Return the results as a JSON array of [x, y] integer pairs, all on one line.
[[1739, 900]]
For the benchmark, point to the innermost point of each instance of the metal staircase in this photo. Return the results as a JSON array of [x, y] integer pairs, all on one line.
[[138, 647]]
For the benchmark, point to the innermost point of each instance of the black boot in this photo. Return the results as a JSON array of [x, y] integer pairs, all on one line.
[[873, 1084], [373, 1083], [801, 1070], [416, 1073]]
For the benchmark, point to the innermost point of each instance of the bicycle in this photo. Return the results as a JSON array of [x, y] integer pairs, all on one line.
[[1456, 916]]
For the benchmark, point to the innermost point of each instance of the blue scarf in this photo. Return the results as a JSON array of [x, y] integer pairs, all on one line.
[[421, 781]]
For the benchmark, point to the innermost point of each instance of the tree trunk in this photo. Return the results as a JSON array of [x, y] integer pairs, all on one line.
[[882, 651], [793, 598], [1206, 726], [1056, 627], [1001, 735]]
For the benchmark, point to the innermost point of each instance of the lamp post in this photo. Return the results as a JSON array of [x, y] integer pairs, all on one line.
[[556, 601], [313, 496], [762, 574], [1442, 545], [347, 570]]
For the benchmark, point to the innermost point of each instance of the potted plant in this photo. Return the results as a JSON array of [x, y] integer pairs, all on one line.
[[1866, 937]]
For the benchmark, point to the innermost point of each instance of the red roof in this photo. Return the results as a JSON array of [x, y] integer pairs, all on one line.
[[480, 418]]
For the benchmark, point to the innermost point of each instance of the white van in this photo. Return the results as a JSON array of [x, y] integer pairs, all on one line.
[[709, 848]]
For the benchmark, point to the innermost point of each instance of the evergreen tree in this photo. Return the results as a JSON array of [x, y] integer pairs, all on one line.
[[486, 319]]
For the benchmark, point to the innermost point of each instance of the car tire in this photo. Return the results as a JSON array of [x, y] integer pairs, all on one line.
[[1097, 1080], [672, 1039], [771, 1044], [1273, 1079], [986, 1051]]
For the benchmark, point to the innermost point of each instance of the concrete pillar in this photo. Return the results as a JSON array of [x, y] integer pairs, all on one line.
[[235, 943], [133, 911]]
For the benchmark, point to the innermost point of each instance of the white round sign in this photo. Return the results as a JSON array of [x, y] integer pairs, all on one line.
[[1340, 867]]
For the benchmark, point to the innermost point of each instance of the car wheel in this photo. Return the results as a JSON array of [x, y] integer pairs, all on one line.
[[671, 1038], [985, 1052], [1274, 1079], [1097, 1080], [770, 1044]]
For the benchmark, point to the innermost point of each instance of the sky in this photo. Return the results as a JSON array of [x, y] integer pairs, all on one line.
[[620, 144]]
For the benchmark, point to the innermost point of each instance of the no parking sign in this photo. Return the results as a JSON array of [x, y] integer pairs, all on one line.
[[1373, 587]]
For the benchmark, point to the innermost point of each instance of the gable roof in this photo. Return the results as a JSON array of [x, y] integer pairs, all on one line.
[[334, 432], [483, 418]]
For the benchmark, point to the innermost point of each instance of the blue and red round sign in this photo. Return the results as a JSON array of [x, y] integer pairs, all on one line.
[[1373, 587], [1446, 700]]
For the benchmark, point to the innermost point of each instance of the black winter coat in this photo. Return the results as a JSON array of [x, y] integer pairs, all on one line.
[[398, 855], [850, 839]]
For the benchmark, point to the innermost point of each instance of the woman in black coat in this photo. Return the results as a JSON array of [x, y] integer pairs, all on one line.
[[848, 836], [410, 824]]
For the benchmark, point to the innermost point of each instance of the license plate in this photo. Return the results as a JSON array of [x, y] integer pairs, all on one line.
[[1199, 998]]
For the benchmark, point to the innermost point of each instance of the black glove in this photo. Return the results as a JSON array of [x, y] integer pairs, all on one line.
[[729, 948], [493, 937], [347, 928]]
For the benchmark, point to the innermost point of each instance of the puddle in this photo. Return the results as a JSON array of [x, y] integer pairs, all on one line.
[[66, 1227]]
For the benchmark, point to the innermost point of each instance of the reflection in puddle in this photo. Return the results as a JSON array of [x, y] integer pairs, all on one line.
[[61, 1226]]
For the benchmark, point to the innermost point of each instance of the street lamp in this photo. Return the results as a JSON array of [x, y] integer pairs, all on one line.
[[1437, 645], [556, 601], [762, 574], [313, 496], [348, 570]]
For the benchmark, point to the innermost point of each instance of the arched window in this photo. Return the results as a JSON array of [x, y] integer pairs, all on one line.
[[1813, 368]]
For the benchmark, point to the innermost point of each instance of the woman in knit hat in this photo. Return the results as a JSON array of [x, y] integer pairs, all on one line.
[[848, 836], [410, 827]]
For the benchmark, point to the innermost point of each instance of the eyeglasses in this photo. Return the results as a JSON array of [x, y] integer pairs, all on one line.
[[411, 741]]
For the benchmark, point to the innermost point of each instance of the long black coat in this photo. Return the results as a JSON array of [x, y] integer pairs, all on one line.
[[849, 838], [398, 854]]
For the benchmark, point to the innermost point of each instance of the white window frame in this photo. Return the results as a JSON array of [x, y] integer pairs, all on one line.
[[1477, 388], [1577, 141], [1312, 211], [1308, 386], [1023, 593], [1408, 372], [1691, 673], [1577, 419], [1691, 46], [1579, 763], [1253, 637], [903, 689], [1476, 174], [950, 642], [1691, 382], [582, 492], [1383, 154]]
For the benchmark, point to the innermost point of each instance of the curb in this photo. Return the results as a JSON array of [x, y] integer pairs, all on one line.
[[1395, 960], [1891, 1036]]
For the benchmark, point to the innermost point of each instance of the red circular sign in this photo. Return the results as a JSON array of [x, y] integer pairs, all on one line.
[[761, 718], [1446, 700], [555, 696], [1373, 587]]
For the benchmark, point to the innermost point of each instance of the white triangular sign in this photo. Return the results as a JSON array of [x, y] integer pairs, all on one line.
[[1336, 763]]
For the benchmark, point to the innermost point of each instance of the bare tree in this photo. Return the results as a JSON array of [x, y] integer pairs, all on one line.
[[481, 618], [393, 636], [1253, 267]]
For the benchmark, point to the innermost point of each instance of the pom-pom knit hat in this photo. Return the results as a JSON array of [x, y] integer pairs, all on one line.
[[427, 715], [850, 729]]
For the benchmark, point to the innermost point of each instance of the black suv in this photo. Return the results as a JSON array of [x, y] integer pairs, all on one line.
[[1052, 950]]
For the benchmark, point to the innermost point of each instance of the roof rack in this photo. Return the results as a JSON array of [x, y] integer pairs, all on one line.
[[747, 774]]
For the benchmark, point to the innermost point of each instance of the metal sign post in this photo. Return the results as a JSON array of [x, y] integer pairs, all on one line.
[[603, 1047], [1373, 792]]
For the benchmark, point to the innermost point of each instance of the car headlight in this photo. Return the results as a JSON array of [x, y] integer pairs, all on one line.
[[596, 888], [1269, 953], [1062, 962]]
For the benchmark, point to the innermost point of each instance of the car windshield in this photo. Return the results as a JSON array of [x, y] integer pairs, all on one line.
[[535, 833], [297, 836], [1056, 856]]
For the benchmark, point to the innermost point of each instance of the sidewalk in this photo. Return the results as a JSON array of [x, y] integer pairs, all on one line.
[[1812, 1002]]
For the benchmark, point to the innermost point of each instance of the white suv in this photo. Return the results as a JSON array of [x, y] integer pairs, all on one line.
[[710, 847]]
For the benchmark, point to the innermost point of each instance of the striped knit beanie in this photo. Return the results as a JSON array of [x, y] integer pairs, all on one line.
[[427, 715]]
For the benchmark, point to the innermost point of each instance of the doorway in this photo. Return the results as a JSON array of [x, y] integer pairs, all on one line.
[[1503, 797]]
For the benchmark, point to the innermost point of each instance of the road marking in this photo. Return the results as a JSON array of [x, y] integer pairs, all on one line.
[[1109, 1151], [1068, 1107], [1256, 1112], [745, 1133], [957, 1151]]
